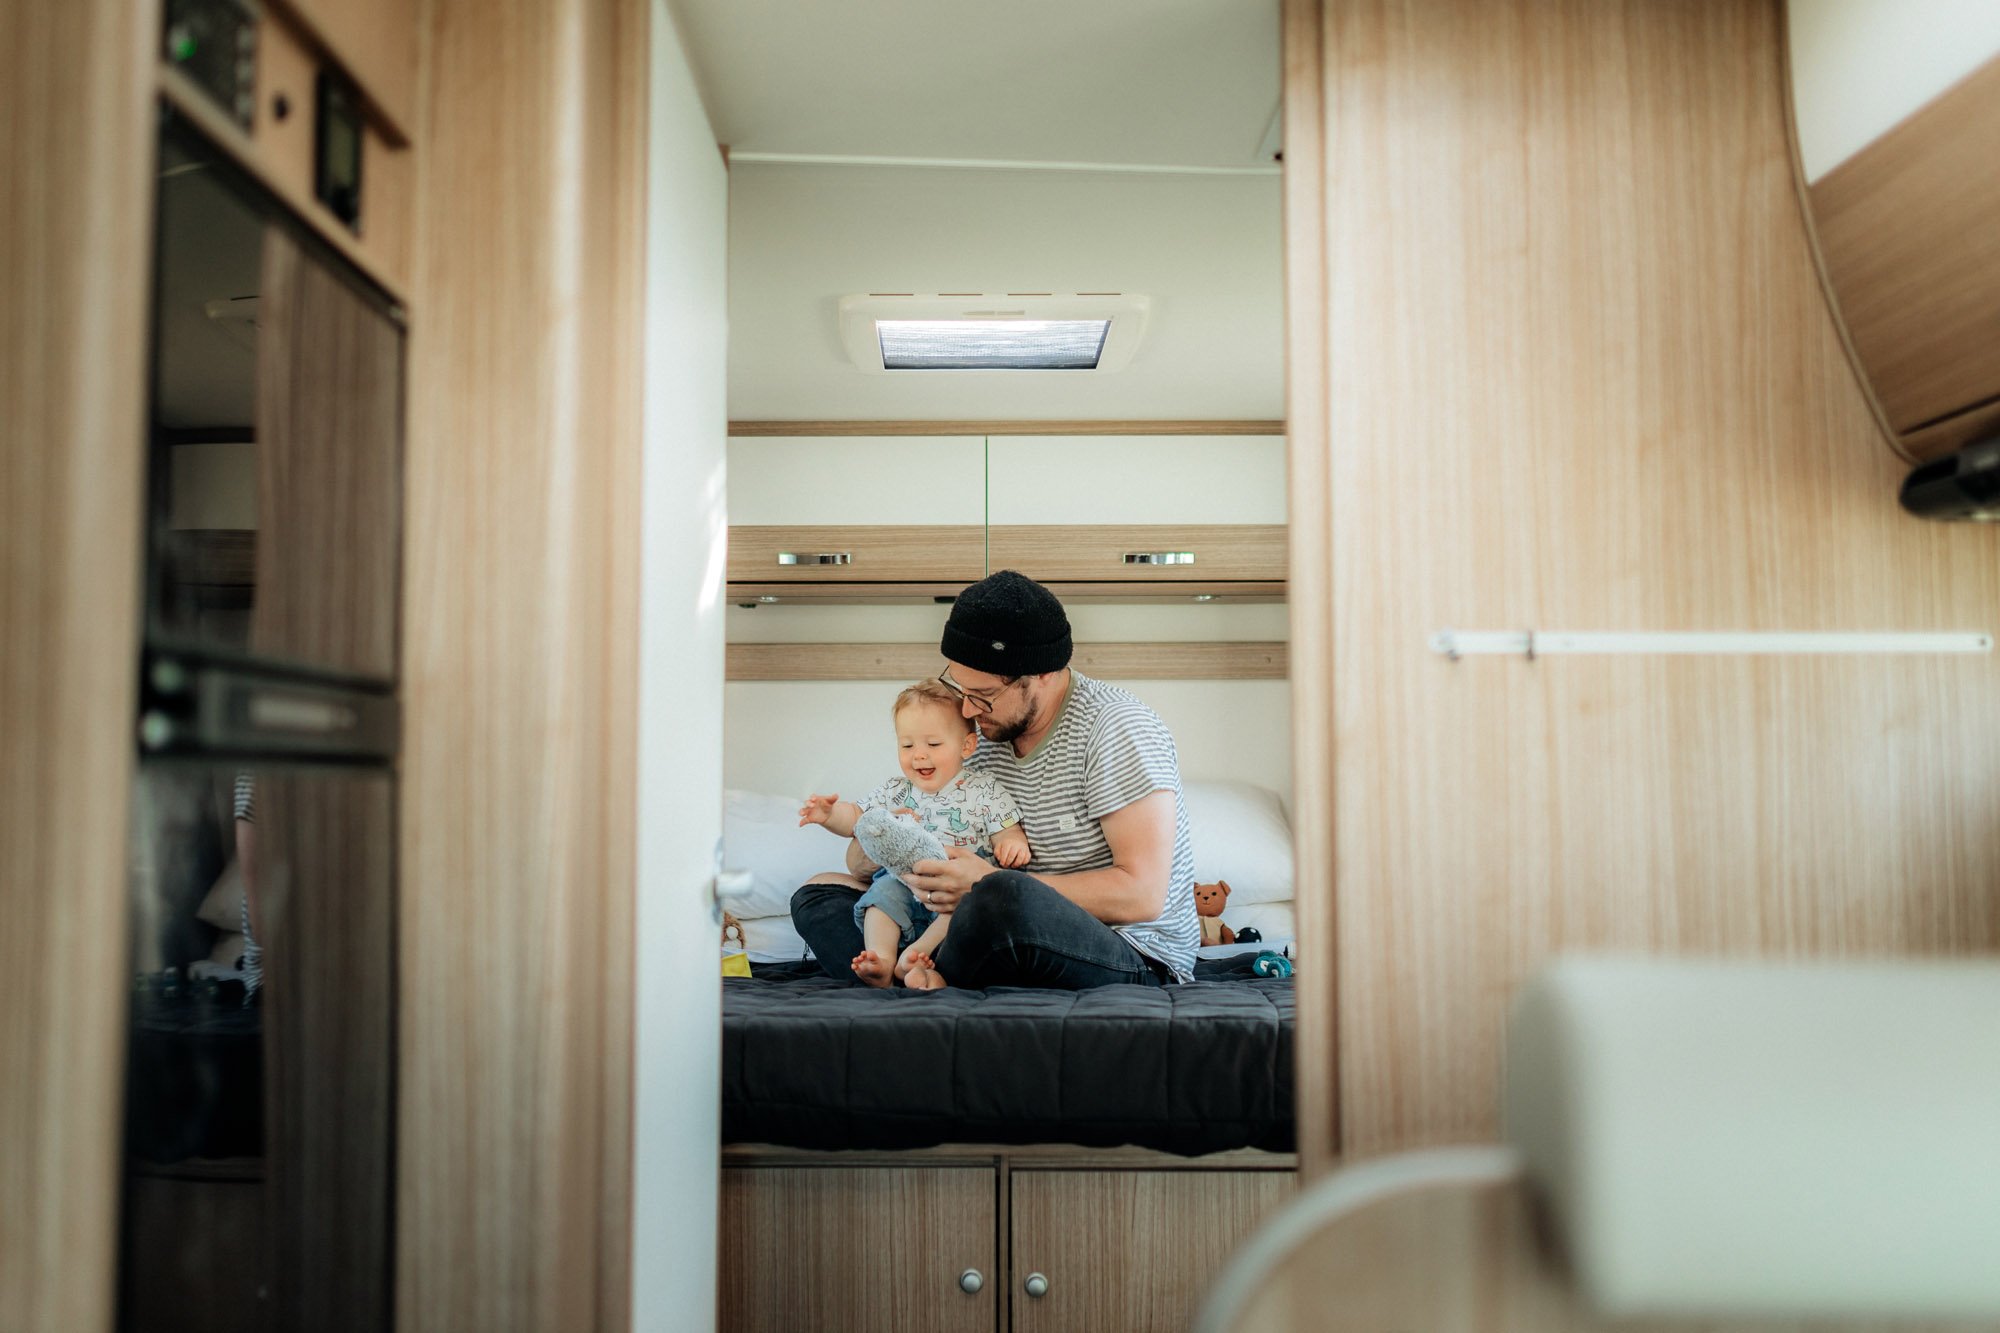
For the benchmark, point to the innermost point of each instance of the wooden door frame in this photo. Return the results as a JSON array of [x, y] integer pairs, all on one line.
[[1309, 498]]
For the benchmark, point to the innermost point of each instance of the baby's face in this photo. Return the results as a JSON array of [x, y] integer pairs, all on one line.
[[933, 742]]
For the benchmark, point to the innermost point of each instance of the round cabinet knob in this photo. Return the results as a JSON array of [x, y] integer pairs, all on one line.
[[1036, 1285], [970, 1282]]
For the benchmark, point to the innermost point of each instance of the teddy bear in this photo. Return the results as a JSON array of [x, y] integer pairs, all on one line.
[[732, 926], [1208, 901]]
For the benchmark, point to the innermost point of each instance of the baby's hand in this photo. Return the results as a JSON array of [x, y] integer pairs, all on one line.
[[1011, 849], [817, 809]]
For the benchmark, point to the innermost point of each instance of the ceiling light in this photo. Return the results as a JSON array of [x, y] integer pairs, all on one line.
[[972, 331]]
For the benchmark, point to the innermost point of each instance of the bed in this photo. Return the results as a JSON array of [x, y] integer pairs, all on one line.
[[811, 1062]]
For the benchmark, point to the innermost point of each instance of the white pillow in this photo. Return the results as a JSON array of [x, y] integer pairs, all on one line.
[[771, 939], [761, 834], [1240, 834]]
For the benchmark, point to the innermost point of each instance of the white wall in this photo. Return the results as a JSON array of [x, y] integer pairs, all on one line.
[[1204, 248], [1860, 66], [676, 1129], [792, 737]]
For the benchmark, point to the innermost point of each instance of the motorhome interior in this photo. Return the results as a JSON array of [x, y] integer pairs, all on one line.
[[473, 475]]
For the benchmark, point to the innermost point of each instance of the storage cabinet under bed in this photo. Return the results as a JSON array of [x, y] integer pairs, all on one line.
[[1028, 1240]]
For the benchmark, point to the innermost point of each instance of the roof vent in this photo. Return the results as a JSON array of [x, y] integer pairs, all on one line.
[[1007, 331]]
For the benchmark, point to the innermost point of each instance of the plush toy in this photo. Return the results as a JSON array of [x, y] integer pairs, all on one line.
[[1208, 901], [735, 960], [1268, 964]]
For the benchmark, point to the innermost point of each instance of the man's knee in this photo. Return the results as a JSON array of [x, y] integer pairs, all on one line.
[[999, 904], [821, 888]]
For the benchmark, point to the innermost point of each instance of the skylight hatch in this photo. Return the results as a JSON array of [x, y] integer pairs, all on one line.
[[1016, 331], [991, 344]]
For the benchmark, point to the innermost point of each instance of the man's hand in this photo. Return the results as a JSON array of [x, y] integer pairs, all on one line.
[[940, 884]]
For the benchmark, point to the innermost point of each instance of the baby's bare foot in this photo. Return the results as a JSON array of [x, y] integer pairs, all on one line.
[[923, 974], [871, 968]]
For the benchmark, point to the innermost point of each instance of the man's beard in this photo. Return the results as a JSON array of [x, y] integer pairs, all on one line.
[[1012, 731]]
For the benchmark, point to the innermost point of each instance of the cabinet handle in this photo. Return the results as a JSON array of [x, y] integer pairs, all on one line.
[[970, 1282], [1036, 1286], [816, 558], [1159, 557]]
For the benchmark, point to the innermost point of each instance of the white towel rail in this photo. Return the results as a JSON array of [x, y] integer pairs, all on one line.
[[1457, 643]]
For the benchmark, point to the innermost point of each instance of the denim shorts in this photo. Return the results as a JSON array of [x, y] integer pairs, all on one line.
[[898, 902]]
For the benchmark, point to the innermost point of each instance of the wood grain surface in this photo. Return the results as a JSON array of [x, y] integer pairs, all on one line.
[[880, 553], [181, 93], [970, 427], [1309, 534], [516, 830], [377, 43], [912, 661], [1954, 433], [1580, 373], [1054, 552], [325, 912], [1128, 1250], [1905, 226], [329, 469], [853, 1248], [76, 151]]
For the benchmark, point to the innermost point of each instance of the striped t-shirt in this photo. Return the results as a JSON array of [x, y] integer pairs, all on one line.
[[1105, 751]]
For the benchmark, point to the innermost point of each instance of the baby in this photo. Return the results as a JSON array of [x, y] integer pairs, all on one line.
[[953, 807]]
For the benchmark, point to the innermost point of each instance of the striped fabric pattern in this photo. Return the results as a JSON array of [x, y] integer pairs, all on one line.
[[253, 953], [1105, 751]]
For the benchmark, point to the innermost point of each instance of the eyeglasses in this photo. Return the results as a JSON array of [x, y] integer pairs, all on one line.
[[982, 701]]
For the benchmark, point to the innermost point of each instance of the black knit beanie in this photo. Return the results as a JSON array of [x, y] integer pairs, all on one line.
[[1007, 625]]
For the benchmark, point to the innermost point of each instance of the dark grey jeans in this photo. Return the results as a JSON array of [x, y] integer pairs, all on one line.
[[1011, 930]]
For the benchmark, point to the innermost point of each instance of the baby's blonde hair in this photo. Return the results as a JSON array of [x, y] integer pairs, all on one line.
[[930, 692]]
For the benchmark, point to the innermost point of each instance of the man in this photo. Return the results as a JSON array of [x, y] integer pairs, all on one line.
[[1109, 894]]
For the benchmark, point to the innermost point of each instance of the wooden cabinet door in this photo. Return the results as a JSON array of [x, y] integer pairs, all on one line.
[[848, 555], [881, 1248], [1128, 1250]]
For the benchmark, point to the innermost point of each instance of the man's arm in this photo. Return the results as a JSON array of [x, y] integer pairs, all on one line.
[[1133, 888]]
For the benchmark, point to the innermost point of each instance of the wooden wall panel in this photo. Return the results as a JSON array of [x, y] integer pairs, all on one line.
[[1309, 537], [76, 154], [520, 658], [1913, 257], [1581, 377], [377, 42]]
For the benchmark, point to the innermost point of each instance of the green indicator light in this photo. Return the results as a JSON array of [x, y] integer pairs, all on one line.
[[184, 47]]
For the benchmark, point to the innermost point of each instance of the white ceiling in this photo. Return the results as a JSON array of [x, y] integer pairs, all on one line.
[[1188, 86], [1156, 82], [1205, 249]]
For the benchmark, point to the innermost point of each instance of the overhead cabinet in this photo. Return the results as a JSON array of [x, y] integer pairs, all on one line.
[[916, 518]]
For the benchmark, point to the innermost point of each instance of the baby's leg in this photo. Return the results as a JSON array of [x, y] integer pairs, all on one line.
[[881, 934], [923, 945], [923, 973]]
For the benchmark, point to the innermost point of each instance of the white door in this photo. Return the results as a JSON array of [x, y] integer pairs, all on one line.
[[678, 1028]]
